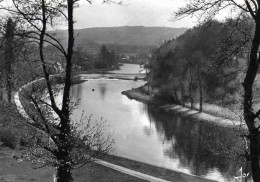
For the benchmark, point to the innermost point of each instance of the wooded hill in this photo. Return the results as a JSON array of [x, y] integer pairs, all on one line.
[[204, 64], [128, 37]]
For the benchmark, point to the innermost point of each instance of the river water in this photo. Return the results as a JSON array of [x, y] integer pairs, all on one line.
[[146, 134]]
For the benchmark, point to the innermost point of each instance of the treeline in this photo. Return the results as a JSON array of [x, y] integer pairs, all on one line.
[[124, 48], [16, 65], [47, 134], [104, 59], [204, 64]]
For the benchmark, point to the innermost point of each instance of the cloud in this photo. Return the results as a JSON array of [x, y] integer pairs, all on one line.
[[133, 13]]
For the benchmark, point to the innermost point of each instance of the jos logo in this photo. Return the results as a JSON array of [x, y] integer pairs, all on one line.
[[242, 175]]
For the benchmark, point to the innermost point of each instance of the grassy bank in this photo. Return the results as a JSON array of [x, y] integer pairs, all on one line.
[[155, 171], [12, 169]]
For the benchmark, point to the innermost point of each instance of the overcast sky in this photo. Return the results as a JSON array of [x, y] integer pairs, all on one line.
[[133, 13]]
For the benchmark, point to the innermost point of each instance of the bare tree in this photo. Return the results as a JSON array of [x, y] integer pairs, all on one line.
[[207, 9], [34, 19], [191, 85]]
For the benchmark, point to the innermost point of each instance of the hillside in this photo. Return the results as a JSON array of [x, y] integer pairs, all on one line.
[[193, 67], [126, 35]]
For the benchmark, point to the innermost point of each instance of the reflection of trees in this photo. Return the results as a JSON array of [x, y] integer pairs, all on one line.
[[199, 146], [102, 89], [76, 91], [148, 130]]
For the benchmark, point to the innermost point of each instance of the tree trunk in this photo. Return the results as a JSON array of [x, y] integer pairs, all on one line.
[[254, 155], [149, 84], [9, 56], [182, 93], [9, 74], [200, 88], [176, 95], [9, 88], [1, 93], [249, 116], [174, 91], [201, 101], [64, 173], [190, 87], [66, 90], [64, 168], [64, 145]]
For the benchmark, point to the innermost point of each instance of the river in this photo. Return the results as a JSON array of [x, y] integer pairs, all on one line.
[[146, 134]]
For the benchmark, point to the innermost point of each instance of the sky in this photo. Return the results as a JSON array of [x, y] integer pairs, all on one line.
[[131, 13]]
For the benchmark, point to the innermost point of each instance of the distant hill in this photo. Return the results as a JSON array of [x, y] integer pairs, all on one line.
[[126, 35]]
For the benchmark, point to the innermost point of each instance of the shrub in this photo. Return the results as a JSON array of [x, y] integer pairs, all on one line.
[[25, 142], [9, 139], [166, 93], [30, 140]]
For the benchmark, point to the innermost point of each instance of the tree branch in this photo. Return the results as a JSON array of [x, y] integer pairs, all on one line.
[[250, 9]]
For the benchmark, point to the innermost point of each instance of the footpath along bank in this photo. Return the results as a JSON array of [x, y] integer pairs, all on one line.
[[140, 94]]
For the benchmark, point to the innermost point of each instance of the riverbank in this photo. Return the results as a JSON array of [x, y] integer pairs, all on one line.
[[15, 170], [12, 169], [155, 171], [98, 71], [111, 73], [141, 95]]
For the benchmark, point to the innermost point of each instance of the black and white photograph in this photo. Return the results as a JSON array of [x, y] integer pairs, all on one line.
[[129, 90]]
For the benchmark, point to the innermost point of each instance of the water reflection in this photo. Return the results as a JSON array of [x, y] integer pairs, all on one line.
[[76, 91], [202, 147], [150, 135], [102, 89]]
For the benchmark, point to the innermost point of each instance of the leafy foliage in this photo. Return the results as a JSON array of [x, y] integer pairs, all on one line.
[[9, 139], [210, 55], [106, 58]]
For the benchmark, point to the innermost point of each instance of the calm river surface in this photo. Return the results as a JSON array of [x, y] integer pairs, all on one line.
[[148, 135]]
